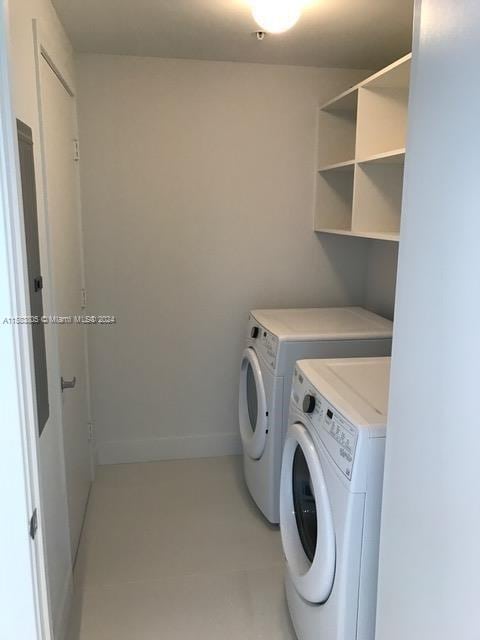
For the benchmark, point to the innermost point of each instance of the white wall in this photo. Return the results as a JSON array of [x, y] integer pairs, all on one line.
[[430, 555], [51, 456], [197, 188], [381, 278]]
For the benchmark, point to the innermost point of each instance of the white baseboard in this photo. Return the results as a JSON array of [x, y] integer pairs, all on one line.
[[172, 448]]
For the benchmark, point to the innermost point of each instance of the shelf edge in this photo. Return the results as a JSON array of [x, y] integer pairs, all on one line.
[[363, 83], [340, 96], [347, 164], [367, 235], [378, 157], [386, 70]]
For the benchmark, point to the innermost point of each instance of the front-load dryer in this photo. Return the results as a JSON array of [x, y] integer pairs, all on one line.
[[276, 339], [331, 492]]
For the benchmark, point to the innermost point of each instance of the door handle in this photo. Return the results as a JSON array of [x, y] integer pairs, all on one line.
[[68, 384]]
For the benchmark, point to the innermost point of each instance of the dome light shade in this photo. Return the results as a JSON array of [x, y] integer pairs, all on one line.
[[276, 16]]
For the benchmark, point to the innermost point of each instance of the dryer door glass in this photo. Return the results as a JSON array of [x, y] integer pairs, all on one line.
[[252, 398], [304, 504], [252, 406]]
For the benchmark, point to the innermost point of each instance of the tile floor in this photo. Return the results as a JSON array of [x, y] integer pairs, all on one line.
[[177, 550]]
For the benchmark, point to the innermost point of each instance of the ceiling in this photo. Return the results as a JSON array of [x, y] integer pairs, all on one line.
[[362, 34]]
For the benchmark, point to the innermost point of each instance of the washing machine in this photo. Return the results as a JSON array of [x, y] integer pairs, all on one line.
[[331, 493], [276, 339]]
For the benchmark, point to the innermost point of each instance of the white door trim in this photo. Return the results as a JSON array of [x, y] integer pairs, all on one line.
[[23, 585]]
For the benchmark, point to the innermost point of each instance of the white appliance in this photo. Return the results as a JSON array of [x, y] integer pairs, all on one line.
[[331, 493], [276, 339]]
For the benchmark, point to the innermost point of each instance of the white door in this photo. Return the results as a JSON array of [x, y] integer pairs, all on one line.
[[59, 127], [252, 406], [306, 521]]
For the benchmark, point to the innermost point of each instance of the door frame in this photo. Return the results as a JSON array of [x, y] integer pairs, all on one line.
[[23, 588]]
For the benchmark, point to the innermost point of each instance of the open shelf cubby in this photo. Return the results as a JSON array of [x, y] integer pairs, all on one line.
[[377, 202], [361, 153], [337, 130], [382, 120], [335, 198]]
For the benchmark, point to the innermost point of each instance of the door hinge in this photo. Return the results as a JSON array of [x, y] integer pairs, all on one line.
[[91, 431], [33, 525], [84, 298], [38, 284], [76, 151]]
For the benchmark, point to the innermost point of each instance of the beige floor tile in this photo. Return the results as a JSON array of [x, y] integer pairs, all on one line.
[[152, 531], [237, 606], [175, 550]]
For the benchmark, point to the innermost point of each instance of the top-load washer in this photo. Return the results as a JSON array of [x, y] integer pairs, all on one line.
[[276, 339], [331, 494]]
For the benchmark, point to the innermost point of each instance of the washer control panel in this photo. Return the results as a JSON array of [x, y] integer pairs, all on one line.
[[337, 434], [345, 435], [265, 342]]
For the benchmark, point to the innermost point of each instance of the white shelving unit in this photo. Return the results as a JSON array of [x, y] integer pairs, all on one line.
[[361, 152]]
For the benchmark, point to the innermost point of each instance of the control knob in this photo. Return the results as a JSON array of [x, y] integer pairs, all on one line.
[[309, 402], [254, 332]]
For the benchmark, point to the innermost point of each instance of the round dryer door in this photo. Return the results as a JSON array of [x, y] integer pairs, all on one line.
[[252, 406], [306, 521]]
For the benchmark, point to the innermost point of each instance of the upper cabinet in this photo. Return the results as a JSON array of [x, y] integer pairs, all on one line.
[[361, 152]]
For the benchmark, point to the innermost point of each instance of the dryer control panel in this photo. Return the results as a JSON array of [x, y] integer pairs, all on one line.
[[265, 343], [337, 434]]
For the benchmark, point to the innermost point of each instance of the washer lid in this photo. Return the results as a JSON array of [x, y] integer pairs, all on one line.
[[341, 323], [357, 387]]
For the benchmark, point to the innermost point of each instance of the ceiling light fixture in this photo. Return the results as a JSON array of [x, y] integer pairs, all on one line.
[[276, 16]]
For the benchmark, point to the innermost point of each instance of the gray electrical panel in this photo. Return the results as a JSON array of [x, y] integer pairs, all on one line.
[[35, 281]]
